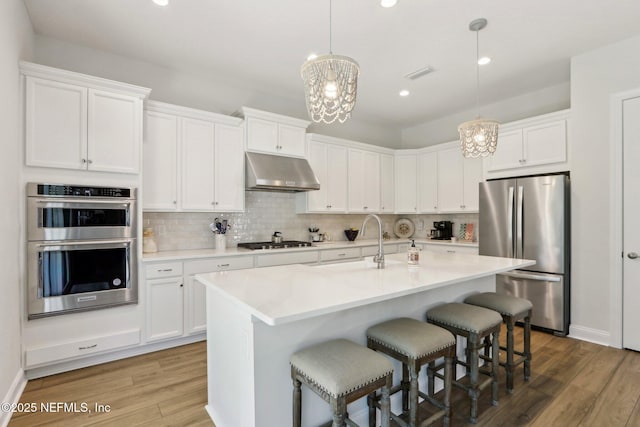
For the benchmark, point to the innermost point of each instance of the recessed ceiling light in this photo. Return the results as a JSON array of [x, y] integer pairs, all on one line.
[[404, 92], [388, 3], [484, 60], [161, 2], [312, 56]]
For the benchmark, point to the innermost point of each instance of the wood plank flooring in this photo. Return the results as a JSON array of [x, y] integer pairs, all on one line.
[[573, 383]]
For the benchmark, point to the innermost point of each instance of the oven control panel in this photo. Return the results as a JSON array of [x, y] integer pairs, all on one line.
[[77, 191]]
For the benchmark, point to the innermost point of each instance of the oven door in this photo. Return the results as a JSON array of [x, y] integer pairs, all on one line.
[[73, 219], [74, 276]]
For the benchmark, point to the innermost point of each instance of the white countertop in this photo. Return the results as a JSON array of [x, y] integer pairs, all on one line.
[[284, 294], [209, 253]]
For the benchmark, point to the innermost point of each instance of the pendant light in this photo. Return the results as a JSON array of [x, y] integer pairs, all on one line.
[[330, 83], [478, 137]]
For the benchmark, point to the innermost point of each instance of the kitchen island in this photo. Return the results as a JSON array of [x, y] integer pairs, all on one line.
[[257, 318]]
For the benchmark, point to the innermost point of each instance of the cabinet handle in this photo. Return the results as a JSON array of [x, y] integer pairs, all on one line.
[[182, 285], [84, 160], [342, 254], [366, 207], [88, 347], [166, 269], [90, 161], [223, 265], [175, 202], [435, 207], [451, 251]]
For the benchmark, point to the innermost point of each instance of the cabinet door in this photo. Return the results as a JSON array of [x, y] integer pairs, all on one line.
[[55, 124], [472, 177], [291, 140], [371, 181], [317, 200], [195, 306], [336, 178], [508, 153], [428, 182], [262, 135], [545, 144], [160, 162], [406, 184], [197, 164], [387, 181], [164, 308], [113, 131], [356, 181], [229, 168], [450, 180]]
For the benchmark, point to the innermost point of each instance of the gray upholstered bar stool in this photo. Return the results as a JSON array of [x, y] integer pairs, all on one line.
[[474, 323], [415, 343], [512, 309], [340, 372]]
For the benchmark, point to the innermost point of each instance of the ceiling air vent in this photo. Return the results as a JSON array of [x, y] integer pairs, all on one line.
[[419, 73]]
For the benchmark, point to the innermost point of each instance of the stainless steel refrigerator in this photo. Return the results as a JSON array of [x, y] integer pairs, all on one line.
[[529, 218]]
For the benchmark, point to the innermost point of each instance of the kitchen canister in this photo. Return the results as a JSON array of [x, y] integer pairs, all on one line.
[[221, 241], [148, 241]]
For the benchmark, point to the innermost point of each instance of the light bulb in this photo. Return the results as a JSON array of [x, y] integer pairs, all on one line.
[[479, 137], [331, 88]]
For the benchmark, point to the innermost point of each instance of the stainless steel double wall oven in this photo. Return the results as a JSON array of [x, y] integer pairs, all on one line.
[[81, 248]]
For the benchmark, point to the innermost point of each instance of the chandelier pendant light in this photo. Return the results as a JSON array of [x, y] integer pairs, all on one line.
[[478, 137], [330, 83]]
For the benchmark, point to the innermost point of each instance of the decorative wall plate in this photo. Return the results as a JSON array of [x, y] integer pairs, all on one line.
[[404, 228]]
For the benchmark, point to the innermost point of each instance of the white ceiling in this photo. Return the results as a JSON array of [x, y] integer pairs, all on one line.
[[263, 43]]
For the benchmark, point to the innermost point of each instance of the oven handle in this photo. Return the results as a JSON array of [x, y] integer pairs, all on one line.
[[82, 245], [75, 203]]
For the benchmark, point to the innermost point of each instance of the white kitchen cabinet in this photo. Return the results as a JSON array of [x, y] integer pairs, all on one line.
[[452, 249], [329, 162], [341, 254], [301, 257], [406, 179], [364, 181], [529, 144], [457, 179], [206, 173], [195, 310], [75, 121], [427, 185], [274, 133], [387, 184], [165, 308], [160, 159]]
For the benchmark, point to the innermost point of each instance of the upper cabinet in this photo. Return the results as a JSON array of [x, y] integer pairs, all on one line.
[[406, 179], [530, 146], [458, 179], [387, 184], [427, 185], [364, 181], [329, 163], [274, 133], [75, 121], [193, 160]]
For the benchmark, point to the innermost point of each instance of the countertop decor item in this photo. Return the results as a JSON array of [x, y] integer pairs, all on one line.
[[330, 85], [148, 241], [351, 234], [478, 137], [404, 228]]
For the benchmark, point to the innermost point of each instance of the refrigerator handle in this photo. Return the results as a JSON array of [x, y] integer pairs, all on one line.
[[511, 247], [519, 214], [528, 276]]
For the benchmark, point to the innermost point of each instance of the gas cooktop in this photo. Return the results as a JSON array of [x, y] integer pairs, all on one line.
[[270, 245]]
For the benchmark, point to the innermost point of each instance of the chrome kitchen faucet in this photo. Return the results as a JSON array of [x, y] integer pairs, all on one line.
[[379, 257]]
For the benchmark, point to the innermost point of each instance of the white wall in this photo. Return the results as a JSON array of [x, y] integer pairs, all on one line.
[[595, 76], [16, 39], [445, 129], [199, 89]]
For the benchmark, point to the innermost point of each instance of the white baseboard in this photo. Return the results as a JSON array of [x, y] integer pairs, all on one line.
[[595, 336], [13, 396]]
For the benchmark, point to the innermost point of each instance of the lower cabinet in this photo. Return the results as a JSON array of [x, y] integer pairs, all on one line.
[[453, 249], [165, 308]]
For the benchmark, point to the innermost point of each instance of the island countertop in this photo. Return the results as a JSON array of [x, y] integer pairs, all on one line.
[[283, 294]]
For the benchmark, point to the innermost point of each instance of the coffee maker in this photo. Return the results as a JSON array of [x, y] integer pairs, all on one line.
[[442, 230]]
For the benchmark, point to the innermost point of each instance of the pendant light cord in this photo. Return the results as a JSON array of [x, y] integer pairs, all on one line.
[[330, 29], [477, 73]]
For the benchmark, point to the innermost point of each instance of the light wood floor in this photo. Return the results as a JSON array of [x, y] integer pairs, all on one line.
[[573, 383]]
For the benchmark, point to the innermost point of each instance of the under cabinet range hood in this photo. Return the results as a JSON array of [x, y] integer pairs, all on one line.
[[267, 172]]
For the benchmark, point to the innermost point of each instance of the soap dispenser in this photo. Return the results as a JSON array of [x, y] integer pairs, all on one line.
[[413, 254]]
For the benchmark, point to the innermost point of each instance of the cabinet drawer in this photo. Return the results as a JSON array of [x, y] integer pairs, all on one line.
[[165, 269], [268, 260], [340, 254], [218, 264], [74, 349], [373, 250], [472, 250]]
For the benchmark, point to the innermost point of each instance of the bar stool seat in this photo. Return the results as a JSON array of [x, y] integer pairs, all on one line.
[[512, 309], [415, 343], [474, 323], [340, 372]]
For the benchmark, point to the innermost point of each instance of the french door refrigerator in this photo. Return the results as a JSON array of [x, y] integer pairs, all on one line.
[[528, 217]]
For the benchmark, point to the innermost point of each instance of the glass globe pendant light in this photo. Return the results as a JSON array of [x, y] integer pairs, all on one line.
[[478, 137]]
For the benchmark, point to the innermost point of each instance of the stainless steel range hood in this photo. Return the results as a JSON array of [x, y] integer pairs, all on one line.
[[267, 172]]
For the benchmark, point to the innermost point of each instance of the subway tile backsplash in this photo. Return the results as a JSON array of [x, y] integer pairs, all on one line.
[[266, 212]]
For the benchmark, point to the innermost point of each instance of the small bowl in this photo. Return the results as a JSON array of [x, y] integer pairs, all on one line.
[[351, 234]]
